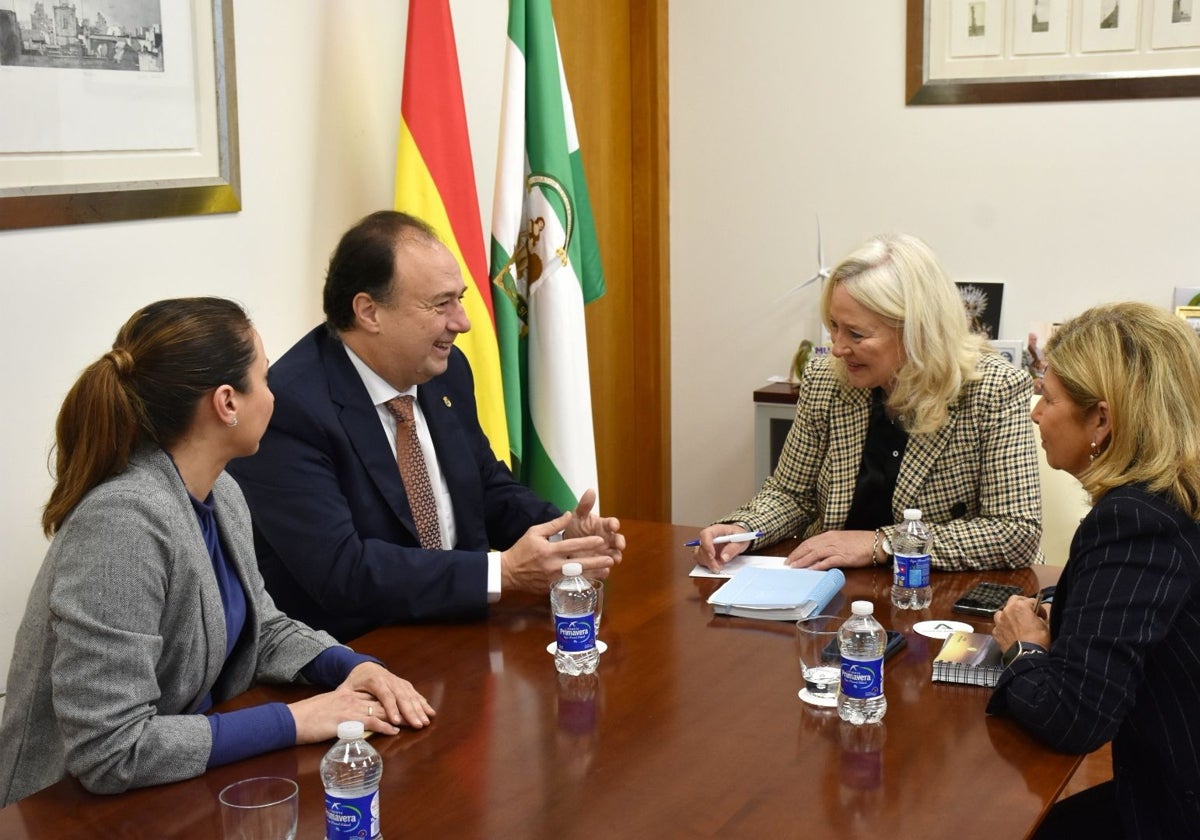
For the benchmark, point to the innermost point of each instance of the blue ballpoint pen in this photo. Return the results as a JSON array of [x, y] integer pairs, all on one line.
[[745, 536]]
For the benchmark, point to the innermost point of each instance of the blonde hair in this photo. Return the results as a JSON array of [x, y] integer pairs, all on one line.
[[899, 278], [1145, 363]]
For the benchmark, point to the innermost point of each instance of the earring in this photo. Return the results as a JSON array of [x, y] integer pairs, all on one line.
[[1095, 451], [233, 423]]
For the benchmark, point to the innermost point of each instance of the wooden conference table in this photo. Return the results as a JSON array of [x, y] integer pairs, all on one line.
[[691, 727]]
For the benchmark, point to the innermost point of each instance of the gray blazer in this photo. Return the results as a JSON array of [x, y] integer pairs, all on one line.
[[124, 635]]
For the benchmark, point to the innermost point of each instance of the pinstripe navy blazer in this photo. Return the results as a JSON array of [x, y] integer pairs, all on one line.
[[975, 479], [1124, 663]]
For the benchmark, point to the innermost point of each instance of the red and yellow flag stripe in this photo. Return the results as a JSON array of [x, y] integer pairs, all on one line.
[[435, 181]]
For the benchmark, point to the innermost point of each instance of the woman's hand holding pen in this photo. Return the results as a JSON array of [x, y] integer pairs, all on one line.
[[714, 556], [1021, 620]]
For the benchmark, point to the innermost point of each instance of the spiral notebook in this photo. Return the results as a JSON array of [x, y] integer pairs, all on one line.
[[777, 594], [968, 659]]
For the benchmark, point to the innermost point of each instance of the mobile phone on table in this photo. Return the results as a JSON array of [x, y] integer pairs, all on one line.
[[985, 598], [895, 641]]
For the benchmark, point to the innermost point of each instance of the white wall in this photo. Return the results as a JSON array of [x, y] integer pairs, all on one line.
[[319, 103], [785, 110]]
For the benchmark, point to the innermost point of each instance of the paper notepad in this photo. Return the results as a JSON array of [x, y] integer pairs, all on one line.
[[777, 594], [742, 561], [969, 659]]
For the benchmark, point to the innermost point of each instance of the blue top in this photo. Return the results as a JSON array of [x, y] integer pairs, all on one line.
[[258, 729]]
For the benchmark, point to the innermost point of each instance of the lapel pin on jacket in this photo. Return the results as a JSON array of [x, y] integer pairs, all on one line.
[[446, 400]]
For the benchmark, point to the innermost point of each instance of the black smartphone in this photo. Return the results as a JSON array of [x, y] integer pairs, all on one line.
[[985, 598], [895, 641]]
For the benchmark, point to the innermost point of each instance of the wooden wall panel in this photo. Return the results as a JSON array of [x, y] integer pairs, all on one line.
[[614, 55]]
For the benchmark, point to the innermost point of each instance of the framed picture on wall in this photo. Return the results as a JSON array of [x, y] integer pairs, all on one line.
[[976, 51], [1186, 296], [982, 304], [1191, 314], [1011, 349], [116, 111]]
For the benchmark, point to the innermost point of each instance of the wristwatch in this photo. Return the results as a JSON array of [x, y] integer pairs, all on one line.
[[1018, 649], [881, 541]]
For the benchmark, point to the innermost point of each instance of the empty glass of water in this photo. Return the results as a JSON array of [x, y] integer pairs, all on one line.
[[820, 661]]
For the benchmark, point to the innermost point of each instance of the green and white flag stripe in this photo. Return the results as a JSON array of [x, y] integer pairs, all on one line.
[[545, 265]]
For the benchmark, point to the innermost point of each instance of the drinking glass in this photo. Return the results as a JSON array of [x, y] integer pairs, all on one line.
[[820, 660], [263, 808]]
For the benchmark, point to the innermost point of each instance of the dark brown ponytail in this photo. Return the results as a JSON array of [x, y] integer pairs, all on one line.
[[146, 389]]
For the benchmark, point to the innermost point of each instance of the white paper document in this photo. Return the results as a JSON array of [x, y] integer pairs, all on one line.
[[738, 563]]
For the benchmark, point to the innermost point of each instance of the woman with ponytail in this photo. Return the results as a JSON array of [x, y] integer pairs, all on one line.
[[149, 608]]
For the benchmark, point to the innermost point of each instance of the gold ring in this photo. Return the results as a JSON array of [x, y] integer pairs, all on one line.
[[370, 711]]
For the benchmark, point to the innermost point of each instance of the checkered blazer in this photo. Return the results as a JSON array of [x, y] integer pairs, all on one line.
[[975, 479]]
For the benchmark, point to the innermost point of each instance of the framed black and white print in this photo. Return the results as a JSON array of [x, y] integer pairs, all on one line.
[[116, 110]]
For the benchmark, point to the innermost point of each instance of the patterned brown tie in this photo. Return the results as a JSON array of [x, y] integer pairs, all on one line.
[[414, 474]]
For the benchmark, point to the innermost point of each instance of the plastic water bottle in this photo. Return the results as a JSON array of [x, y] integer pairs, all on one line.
[[573, 603], [910, 574], [351, 771], [862, 641]]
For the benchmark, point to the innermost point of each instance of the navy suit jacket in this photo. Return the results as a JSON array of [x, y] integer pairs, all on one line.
[[1124, 661], [333, 530]]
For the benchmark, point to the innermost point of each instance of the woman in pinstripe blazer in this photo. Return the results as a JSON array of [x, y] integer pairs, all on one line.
[[149, 607], [911, 411], [1119, 656]]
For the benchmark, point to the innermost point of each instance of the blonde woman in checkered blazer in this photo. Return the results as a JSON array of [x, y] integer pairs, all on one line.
[[911, 410]]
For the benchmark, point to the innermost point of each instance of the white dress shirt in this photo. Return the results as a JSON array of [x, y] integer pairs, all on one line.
[[380, 393]]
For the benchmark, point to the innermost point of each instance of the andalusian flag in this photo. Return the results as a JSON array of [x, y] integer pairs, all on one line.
[[545, 265], [435, 181]]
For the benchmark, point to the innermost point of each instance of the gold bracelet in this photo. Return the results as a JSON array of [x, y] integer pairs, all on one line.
[[875, 549]]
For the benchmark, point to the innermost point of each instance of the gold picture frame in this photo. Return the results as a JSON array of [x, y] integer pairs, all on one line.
[[987, 51], [130, 184], [1191, 314]]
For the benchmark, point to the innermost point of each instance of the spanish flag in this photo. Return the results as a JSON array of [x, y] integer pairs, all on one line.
[[435, 181]]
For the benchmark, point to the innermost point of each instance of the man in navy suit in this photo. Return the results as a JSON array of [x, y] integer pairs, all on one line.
[[334, 533]]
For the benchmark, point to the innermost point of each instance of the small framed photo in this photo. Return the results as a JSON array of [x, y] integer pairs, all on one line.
[[1010, 349], [1186, 296], [1191, 314], [982, 301]]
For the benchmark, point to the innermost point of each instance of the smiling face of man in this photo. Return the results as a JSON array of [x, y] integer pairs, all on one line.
[[407, 339]]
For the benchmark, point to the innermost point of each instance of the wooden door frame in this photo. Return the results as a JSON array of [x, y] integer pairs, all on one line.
[[629, 335]]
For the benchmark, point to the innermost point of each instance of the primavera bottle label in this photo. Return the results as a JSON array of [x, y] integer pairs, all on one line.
[[911, 571], [862, 679], [575, 633], [351, 816]]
